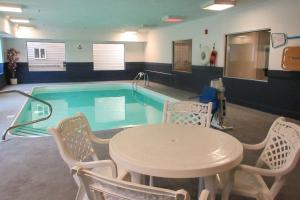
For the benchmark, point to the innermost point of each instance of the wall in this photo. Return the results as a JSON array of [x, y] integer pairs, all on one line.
[[77, 34], [280, 94], [278, 15], [2, 74], [6, 29], [134, 51], [78, 62], [79, 66]]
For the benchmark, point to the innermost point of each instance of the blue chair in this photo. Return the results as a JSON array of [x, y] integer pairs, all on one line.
[[210, 94]]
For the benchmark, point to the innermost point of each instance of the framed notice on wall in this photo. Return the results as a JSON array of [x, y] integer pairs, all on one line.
[[291, 58], [278, 39]]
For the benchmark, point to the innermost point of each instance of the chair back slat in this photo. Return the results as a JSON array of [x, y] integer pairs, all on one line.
[[103, 188], [187, 113], [283, 145], [72, 135]]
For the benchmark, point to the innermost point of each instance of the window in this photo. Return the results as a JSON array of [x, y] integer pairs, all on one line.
[[46, 56], [182, 56], [39, 53], [247, 55], [109, 56]]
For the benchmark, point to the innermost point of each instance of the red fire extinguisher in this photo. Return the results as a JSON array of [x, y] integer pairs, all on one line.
[[213, 57]]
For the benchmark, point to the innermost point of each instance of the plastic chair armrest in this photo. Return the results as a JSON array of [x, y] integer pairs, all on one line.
[[98, 164], [254, 146], [99, 140], [258, 146], [261, 171]]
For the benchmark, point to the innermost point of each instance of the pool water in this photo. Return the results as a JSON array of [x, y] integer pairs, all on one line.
[[106, 106]]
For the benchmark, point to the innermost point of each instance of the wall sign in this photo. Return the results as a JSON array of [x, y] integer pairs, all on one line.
[[291, 58], [204, 55]]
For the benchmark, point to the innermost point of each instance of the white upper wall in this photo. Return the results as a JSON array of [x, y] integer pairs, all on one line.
[[134, 43], [91, 34], [6, 28], [134, 51], [278, 15]]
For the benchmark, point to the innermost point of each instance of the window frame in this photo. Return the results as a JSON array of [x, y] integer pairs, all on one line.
[[124, 56], [225, 55], [45, 68]]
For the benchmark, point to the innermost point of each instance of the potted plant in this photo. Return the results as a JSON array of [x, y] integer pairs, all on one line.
[[12, 58]]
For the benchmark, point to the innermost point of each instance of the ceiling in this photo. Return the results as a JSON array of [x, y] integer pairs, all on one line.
[[110, 14]]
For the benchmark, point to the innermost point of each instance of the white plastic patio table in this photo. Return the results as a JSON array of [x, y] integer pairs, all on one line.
[[177, 151]]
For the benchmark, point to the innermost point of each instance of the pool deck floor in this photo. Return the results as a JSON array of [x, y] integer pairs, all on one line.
[[32, 169]]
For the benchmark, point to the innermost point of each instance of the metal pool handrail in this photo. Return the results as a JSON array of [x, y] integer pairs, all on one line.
[[30, 122], [138, 77]]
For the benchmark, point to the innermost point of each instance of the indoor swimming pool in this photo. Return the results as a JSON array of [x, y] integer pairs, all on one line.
[[106, 106]]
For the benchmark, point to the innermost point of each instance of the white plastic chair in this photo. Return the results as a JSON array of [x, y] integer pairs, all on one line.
[[103, 188], [279, 157], [187, 113], [74, 139]]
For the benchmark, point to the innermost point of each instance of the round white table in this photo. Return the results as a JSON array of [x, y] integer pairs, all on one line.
[[176, 151]]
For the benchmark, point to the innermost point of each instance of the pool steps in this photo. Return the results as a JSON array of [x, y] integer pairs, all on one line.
[[25, 131]]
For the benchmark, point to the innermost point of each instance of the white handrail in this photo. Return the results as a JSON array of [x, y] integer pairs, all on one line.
[[138, 77], [30, 122]]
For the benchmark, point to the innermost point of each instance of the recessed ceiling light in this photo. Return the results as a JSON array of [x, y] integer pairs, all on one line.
[[26, 26], [172, 19], [130, 32], [10, 8], [219, 5], [129, 36], [22, 21]]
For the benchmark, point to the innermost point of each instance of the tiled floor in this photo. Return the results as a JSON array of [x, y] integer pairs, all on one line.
[[31, 168]]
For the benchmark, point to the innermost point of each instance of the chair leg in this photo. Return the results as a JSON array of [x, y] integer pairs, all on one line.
[[229, 184], [151, 183], [210, 185], [212, 116], [136, 177], [80, 193], [201, 186]]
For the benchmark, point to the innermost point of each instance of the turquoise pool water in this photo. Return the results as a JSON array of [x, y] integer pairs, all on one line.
[[106, 106]]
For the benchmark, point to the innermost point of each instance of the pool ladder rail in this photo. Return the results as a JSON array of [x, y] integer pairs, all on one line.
[[138, 77], [30, 122]]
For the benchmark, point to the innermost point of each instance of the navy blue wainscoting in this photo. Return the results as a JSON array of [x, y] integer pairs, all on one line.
[[160, 73], [77, 72], [197, 79], [2, 76], [194, 81], [279, 95]]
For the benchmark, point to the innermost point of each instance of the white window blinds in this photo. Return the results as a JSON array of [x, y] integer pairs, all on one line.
[[44, 56], [108, 56]]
